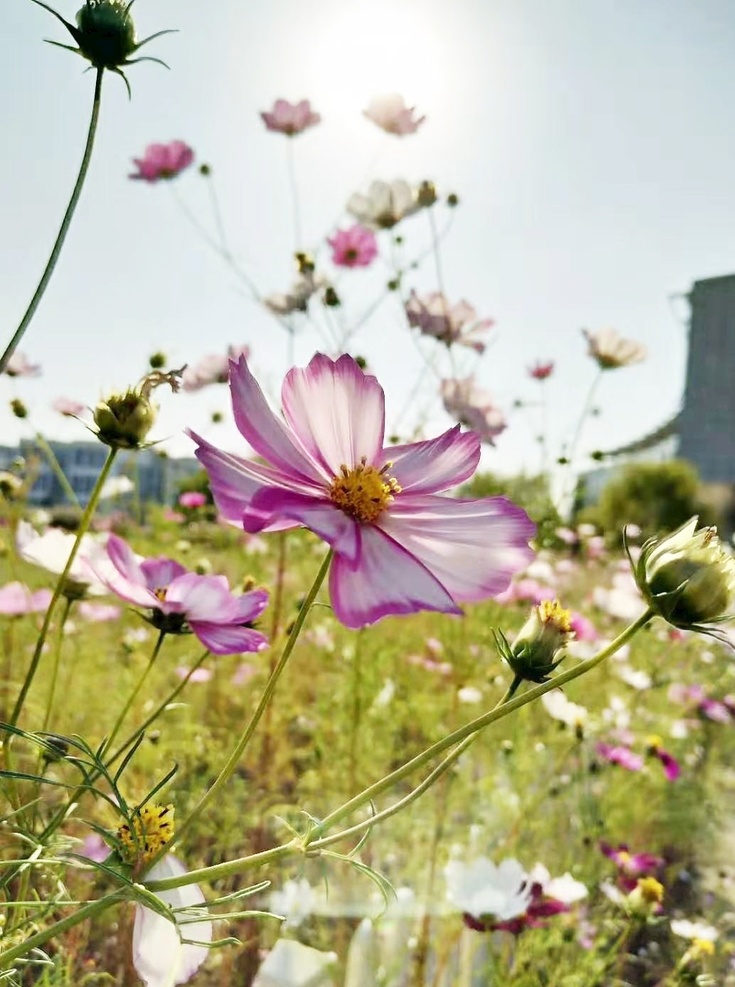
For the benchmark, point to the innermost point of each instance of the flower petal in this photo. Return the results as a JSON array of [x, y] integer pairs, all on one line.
[[440, 463], [228, 639], [472, 547], [386, 579], [160, 958], [336, 410], [123, 558], [160, 572], [251, 605], [203, 597], [123, 577], [265, 432], [336, 528]]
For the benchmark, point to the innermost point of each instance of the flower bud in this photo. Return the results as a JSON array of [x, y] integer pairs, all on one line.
[[106, 32], [18, 408], [157, 360], [426, 195], [532, 656], [687, 577], [124, 420], [645, 898]]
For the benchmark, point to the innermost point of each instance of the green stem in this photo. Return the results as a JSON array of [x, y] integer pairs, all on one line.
[[57, 470], [136, 691], [313, 842], [57, 661], [84, 523], [234, 758], [63, 229], [571, 451]]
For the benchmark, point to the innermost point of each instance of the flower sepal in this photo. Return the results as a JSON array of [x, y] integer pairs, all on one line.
[[539, 646]]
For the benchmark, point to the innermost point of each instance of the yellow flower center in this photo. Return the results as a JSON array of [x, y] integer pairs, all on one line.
[[160, 594], [552, 612], [703, 947], [650, 890], [363, 492], [149, 829], [624, 857], [654, 742]]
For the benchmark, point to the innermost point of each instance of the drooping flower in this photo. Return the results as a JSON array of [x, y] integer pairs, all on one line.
[[211, 369], [16, 600], [68, 407], [474, 407], [356, 246], [610, 350], [162, 956], [391, 114], [541, 370], [399, 546], [290, 118], [162, 162], [384, 205], [450, 324], [20, 366], [181, 601], [298, 296], [51, 551]]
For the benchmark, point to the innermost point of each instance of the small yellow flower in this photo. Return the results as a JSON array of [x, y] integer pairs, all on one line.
[[148, 829]]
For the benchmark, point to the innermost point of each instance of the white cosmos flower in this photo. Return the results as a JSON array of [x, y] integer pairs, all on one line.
[[296, 900], [560, 708], [51, 551], [291, 964], [384, 205], [565, 888], [634, 677], [697, 929], [482, 888], [160, 957], [610, 350]]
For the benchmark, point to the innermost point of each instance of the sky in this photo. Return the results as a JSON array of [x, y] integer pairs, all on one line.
[[589, 142]]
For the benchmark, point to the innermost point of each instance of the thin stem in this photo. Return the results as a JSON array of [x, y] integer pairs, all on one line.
[[571, 450], [84, 523], [136, 691], [314, 841], [294, 189], [57, 469], [217, 214], [234, 758], [57, 661], [63, 229]]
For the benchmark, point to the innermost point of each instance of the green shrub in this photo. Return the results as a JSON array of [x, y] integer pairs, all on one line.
[[529, 492]]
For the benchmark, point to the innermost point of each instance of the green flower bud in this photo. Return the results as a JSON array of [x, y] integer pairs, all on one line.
[[452, 200], [18, 408], [533, 654], [331, 298], [687, 577], [124, 420], [157, 360]]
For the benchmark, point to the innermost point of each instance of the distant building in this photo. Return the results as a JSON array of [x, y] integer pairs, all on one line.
[[156, 476]]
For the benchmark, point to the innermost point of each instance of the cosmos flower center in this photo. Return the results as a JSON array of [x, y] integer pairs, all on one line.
[[149, 829], [363, 492], [160, 593]]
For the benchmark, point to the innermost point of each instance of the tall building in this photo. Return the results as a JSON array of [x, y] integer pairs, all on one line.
[[706, 424]]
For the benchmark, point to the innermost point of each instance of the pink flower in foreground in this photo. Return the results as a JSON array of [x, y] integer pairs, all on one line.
[[434, 316], [20, 366], [471, 406], [16, 599], [622, 756], [211, 369], [356, 246], [399, 546], [290, 118], [192, 499], [183, 601], [392, 115], [540, 371], [68, 407], [162, 162]]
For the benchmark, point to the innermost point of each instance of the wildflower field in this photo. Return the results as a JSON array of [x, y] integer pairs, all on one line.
[[342, 706]]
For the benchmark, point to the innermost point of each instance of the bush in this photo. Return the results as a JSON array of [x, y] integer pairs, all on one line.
[[658, 497], [529, 492]]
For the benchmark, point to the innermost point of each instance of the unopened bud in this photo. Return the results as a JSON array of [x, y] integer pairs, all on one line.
[[304, 262], [645, 898], [426, 194], [331, 298], [533, 654], [124, 420], [18, 408], [157, 361], [452, 200]]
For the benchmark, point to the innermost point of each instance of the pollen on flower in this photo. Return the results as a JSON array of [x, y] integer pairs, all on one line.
[[149, 829], [363, 492], [552, 612], [650, 890]]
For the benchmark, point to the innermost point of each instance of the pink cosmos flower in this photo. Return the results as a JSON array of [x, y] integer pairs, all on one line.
[[631, 866], [16, 599], [399, 546], [356, 246], [671, 766], [98, 612], [20, 366], [622, 756], [211, 369], [540, 370], [434, 316], [199, 675], [474, 407], [391, 114], [162, 162], [584, 629], [181, 600], [192, 499], [290, 118], [68, 407]]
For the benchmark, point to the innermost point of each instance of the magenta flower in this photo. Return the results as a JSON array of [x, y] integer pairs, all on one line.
[[620, 755], [20, 366], [211, 369], [192, 499], [391, 114], [471, 406], [540, 370], [353, 247], [434, 316], [290, 118], [182, 601], [671, 766], [584, 629], [399, 547], [631, 866], [16, 600], [162, 162], [68, 407]]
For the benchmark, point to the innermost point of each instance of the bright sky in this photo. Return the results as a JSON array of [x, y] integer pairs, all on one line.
[[588, 141]]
